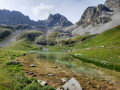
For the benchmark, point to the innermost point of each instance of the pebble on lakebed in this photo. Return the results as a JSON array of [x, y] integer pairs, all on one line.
[[30, 73], [50, 74], [33, 76], [64, 80], [55, 67], [32, 65]]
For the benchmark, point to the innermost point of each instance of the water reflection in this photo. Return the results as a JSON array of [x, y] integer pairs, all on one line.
[[76, 65]]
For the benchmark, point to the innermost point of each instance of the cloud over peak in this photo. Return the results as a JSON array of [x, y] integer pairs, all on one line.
[[42, 11]]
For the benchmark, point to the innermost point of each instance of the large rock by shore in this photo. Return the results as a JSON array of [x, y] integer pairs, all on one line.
[[72, 84]]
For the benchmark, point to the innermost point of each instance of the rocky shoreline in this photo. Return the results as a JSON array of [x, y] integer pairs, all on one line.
[[56, 75]]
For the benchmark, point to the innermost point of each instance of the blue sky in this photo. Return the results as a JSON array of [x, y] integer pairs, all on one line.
[[40, 9]]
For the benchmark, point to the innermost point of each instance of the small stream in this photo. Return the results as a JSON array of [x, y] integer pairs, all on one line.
[[78, 66]]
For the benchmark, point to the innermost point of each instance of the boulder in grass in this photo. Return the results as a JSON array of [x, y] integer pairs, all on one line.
[[39, 81], [102, 46], [42, 82], [13, 63]]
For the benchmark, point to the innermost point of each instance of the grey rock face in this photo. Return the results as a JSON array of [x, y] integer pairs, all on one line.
[[95, 15], [57, 20], [113, 4], [96, 20]]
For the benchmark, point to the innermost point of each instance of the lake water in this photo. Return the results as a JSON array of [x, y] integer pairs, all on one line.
[[78, 66]]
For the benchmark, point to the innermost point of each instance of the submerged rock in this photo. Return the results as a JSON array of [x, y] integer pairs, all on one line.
[[72, 84]]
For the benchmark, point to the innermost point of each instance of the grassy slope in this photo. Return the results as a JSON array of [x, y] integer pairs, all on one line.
[[25, 41], [7, 72], [11, 76], [4, 33], [108, 56], [23, 45], [110, 37]]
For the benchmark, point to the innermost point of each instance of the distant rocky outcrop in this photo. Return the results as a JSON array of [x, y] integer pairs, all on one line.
[[95, 15], [97, 19], [15, 17]]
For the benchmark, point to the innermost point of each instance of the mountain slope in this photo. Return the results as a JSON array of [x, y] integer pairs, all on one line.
[[103, 50], [96, 20], [25, 41]]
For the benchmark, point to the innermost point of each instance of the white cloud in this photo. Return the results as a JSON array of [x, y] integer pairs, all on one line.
[[41, 12]]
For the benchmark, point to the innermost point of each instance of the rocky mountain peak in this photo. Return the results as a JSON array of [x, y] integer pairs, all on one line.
[[97, 19], [58, 20], [95, 15], [112, 4]]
